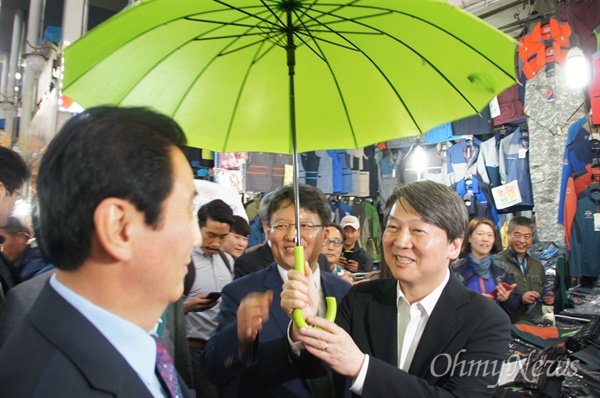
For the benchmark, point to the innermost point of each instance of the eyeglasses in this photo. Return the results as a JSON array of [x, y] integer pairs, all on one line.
[[336, 243], [306, 227]]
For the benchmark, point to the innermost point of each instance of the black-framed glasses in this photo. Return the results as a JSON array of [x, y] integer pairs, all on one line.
[[283, 227], [335, 243]]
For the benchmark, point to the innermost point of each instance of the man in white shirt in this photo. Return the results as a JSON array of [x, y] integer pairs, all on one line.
[[117, 219], [421, 333], [213, 269]]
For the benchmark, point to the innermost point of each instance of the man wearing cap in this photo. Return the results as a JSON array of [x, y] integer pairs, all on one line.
[[354, 258]]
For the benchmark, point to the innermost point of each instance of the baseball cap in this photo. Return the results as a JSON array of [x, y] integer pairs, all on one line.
[[350, 221]]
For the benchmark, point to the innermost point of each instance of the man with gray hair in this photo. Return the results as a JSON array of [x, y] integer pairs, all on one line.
[[249, 343], [530, 275], [421, 333]]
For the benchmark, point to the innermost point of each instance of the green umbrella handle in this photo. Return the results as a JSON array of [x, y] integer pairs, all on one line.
[[331, 301]]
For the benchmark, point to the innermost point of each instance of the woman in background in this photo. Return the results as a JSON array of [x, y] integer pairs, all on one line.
[[236, 241], [479, 270]]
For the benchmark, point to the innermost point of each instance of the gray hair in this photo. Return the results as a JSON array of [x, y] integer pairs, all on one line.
[[520, 221], [436, 203], [311, 199]]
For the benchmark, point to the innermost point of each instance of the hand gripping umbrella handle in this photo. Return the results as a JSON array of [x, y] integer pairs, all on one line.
[[331, 302]]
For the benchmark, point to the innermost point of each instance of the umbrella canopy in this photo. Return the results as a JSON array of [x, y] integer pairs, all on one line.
[[365, 71]]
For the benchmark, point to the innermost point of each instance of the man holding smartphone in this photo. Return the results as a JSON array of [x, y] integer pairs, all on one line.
[[211, 270], [354, 258]]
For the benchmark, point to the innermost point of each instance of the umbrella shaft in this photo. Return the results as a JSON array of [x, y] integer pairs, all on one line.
[[291, 61]]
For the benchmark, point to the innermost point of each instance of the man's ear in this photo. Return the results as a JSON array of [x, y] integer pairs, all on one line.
[[113, 225], [454, 248]]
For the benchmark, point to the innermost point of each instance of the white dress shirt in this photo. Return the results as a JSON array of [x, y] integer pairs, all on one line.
[[135, 344], [412, 320]]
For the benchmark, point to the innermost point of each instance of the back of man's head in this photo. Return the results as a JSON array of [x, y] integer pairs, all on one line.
[[14, 227], [216, 210], [100, 153], [13, 170]]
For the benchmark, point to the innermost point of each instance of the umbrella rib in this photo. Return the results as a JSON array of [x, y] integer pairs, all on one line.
[[354, 21], [324, 58], [220, 53], [315, 40]]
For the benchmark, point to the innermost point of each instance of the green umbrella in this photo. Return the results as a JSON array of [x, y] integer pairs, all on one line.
[[365, 71], [290, 76]]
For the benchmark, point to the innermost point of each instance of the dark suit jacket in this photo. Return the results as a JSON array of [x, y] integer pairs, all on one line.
[[461, 320], [260, 257], [269, 372], [18, 303], [57, 352]]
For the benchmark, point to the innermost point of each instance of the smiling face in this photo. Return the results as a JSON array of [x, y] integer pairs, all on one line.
[[417, 253], [333, 246], [282, 243], [352, 236], [235, 244], [520, 239], [482, 240]]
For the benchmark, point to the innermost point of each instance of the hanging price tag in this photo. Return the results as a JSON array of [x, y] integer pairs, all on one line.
[[507, 195], [596, 222], [522, 153]]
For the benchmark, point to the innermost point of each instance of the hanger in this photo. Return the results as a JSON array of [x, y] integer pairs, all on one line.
[[470, 151], [595, 187]]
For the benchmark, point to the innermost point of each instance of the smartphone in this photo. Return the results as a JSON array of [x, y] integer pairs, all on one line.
[[350, 255], [505, 285], [214, 295]]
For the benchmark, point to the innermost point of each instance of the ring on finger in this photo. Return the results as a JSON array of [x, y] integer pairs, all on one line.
[[326, 347]]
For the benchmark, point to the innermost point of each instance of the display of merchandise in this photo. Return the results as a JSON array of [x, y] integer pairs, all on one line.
[[550, 106]]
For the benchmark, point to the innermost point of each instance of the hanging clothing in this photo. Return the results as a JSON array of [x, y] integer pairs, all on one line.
[[389, 173], [550, 105], [325, 172], [346, 172], [458, 162], [577, 156], [258, 172], [339, 210], [547, 43], [585, 240], [514, 165], [480, 203], [310, 162], [576, 185], [370, 228], [511, 107], [336, 172], [488, 161], [474, 125], [431, 167]]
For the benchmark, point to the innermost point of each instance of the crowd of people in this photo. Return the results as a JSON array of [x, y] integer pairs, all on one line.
[[129, 292]]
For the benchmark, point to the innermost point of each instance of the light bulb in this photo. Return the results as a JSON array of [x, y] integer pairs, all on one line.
[[577, 69], [35, 62]]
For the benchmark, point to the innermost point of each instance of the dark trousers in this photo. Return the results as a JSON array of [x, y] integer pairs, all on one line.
[[203, 386]]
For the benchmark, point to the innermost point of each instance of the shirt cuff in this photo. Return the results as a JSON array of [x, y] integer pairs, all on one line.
[[297, 346], [359, 382]]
